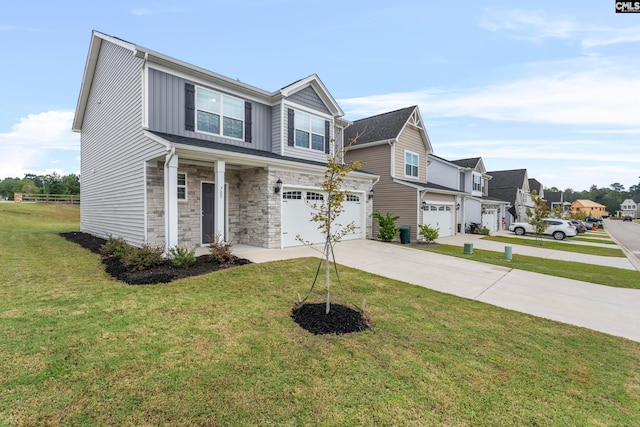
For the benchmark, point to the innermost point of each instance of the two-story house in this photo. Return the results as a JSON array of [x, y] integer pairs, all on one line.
[[395, 146], [589, 208], [174, 154], [631, 207], [555, 200], [477, 206], [512, 186]]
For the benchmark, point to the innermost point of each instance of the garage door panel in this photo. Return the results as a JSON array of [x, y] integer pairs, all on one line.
[[439, 217], [298, 206]]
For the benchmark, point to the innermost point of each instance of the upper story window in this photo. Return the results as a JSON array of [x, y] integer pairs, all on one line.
[[411, 162], [182, 186], [477, 182], [309, 131], [219, 114]]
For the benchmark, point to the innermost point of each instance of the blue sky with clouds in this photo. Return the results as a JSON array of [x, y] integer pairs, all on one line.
[[553, 87]]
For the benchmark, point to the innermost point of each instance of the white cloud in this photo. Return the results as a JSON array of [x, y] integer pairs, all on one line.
[[533, 25], [29, 141], [594, 97]]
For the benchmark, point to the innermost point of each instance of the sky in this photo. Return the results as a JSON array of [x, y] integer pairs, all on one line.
[[548, 86]]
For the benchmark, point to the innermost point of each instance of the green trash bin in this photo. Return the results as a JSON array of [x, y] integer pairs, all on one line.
[[405, 234]]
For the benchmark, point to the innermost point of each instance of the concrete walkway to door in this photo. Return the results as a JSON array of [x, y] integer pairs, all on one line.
[[606, 309]]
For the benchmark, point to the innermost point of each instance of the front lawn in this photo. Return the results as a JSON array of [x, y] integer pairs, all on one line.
[[79, 348]]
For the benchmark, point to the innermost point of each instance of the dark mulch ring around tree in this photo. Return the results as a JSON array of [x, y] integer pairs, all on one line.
[[340, 319], [164, 273]]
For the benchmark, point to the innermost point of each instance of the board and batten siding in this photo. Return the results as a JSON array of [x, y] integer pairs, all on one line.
[[411, 140], [114, 149], [167, 112], [276, 130]]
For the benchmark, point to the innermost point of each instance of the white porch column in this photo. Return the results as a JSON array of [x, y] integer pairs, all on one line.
[[170, 201], [219, 221]]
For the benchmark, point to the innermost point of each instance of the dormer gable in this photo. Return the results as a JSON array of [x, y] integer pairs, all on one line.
[[311, 90]]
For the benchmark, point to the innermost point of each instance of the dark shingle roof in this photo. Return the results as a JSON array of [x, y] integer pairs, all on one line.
[[378, 128], [553, 196], [636, 198], [534, 184], [467, 163], [506, 179], [195, 142], [508, 194], [430, 185]]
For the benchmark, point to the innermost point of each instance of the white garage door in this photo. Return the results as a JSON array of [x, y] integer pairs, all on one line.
[[490, 219], [440, 217], [298, 207]]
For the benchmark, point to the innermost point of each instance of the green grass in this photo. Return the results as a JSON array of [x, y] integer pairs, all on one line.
[[602, 240], [602, 275], [79, 348], [560, 246]]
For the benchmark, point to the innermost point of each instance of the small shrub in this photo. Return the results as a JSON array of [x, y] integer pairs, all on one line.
[[387, 229], [182, 257], [116, 247], [428, 234], [143, 258], [219, 250], [485, 231]]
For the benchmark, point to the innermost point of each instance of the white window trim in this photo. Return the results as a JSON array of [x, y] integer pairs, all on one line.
[[221, 114], [183, 186], [295, 134], [417, 164]]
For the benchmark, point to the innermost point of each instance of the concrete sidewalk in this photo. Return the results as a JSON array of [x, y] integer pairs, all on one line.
[[606, 309]]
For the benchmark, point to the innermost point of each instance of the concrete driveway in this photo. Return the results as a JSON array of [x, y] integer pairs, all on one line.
[[606, 309]]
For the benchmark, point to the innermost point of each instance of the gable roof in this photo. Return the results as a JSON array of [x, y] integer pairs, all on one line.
[[636, 198], [385, 127], [534, 184], [150, 56], [470, 163], [588, 203], [514, 178], [553, 196]]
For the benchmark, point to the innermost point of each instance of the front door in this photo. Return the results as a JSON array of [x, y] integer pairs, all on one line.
[[208, 207]]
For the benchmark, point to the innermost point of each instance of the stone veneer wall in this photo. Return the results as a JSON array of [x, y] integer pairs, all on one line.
[[254, 210]]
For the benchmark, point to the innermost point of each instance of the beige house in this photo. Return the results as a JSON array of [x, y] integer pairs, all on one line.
[[395, 146], [589, 208]]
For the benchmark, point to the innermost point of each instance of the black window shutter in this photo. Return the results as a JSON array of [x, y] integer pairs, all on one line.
[[327, 137], [247, 121], [290, 128], [189, 107]]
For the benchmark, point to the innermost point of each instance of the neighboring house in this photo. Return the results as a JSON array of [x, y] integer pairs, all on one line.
[[173, 154], [555, 199], [395, 146], [631, 207], [589, 208], [512, 186], [478, 207], [534, 185]]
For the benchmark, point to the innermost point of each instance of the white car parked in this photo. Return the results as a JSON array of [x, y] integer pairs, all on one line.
[[558, 228]]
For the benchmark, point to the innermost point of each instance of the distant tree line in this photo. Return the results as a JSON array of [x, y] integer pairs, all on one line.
[[611, 196], [40, 184]]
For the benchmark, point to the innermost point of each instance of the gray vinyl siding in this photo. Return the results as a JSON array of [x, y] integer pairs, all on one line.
[[310, 99], [443, 174], [276, 130], [397, 199], [167, 112], [113, 149], [298, 152]]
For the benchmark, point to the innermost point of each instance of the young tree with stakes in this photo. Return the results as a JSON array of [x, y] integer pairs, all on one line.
[[538, 214], [330, 208]]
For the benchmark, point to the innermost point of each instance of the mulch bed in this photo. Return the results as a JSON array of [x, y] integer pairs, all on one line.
[[340, 319], [164, 273]]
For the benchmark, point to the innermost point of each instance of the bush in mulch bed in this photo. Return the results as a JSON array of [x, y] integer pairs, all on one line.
[[163, 273], [340, 319]]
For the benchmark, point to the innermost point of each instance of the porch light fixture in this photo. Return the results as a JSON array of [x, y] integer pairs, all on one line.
[[371, 194], [424, 205], [278, 186], [458, 206]]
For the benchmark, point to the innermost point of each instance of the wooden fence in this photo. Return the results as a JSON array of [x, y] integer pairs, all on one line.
[[63, 199]]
